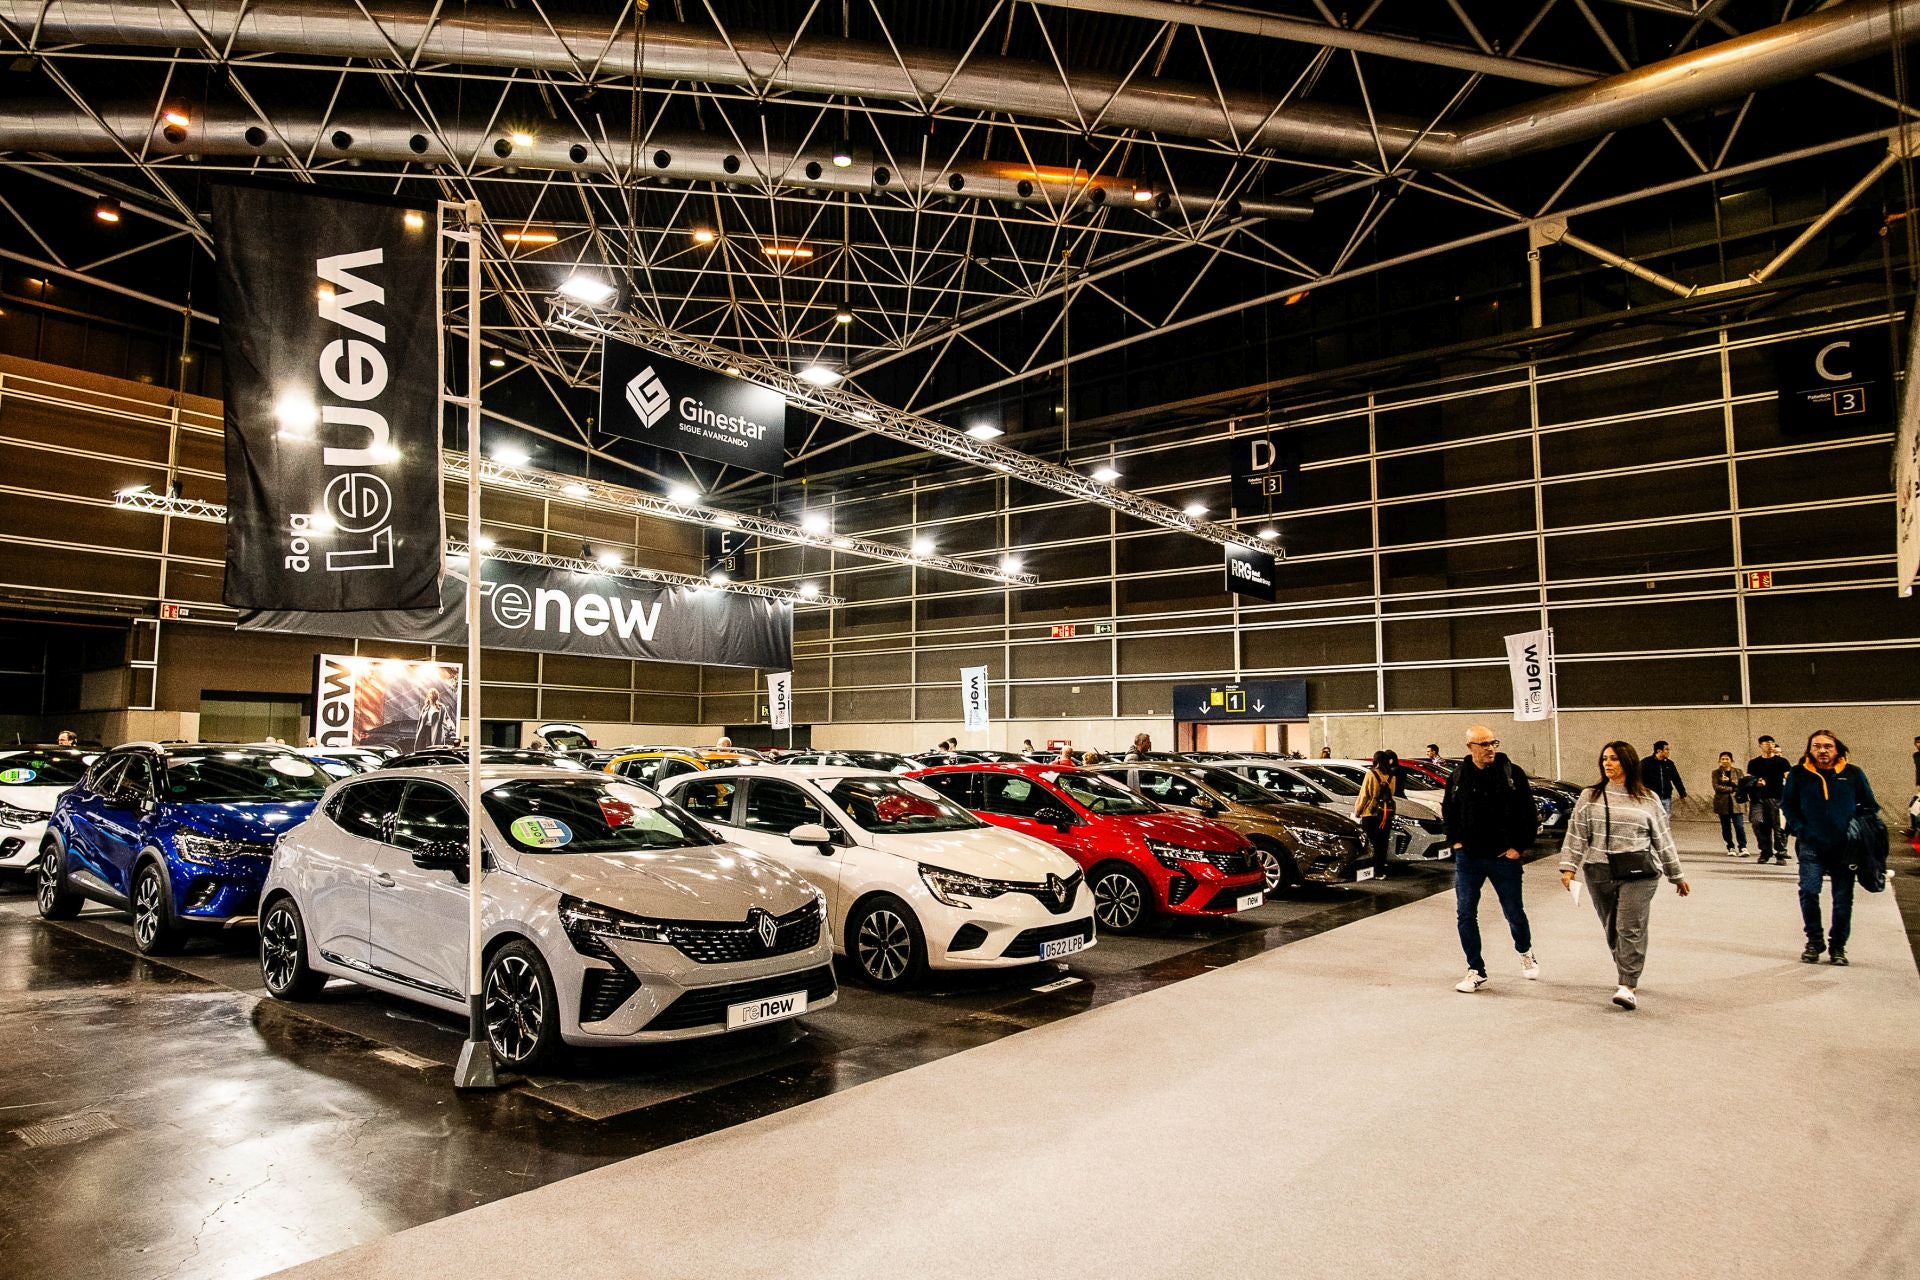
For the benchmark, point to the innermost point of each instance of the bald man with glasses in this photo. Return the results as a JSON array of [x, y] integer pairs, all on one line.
[[1490, 820]]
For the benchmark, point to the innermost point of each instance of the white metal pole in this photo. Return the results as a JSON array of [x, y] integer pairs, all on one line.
[[1553, 683]]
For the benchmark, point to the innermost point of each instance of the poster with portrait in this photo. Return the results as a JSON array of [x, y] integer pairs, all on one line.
[[386, 702]]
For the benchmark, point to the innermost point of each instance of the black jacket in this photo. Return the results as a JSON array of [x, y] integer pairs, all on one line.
[[1769, 774], [1489, 811], [1662, 777]]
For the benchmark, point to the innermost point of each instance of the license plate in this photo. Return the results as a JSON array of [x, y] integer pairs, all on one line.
[[1062, 947], [1364, 873], [771, 1009], [1248, 901]]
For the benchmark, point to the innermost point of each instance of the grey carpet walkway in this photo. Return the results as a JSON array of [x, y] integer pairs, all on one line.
[[1329, 1109]]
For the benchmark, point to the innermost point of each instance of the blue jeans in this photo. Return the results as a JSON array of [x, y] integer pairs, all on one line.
[[1812, 871], [1733, 829], [1666, 802], [1469, 873]]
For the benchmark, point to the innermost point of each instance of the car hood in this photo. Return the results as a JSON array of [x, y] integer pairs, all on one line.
[[1174, 828], [38, 799], [993, 852], [262, 823], [707, 882]]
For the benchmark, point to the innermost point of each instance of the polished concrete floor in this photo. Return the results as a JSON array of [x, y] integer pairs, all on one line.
[[182, 1124]]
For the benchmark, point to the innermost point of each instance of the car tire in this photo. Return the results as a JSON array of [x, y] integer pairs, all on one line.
[[284, 970], [54, 894], [520, 1007], [1277, 865], [154, 930], [886, 944], [1122, 898]]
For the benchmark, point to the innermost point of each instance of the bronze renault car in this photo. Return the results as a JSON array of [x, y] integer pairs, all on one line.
[[1297, 843]]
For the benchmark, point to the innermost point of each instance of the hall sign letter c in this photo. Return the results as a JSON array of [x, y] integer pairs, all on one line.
[[1820, 361]]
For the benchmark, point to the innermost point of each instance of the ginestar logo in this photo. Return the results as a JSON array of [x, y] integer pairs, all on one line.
[[648, 397]]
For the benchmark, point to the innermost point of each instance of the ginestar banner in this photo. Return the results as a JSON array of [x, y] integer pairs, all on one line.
[[780, 699], [1250, 573], [385, 702], [1529, 663], [674, 405], [329, 323], [1906, 479], [973, 696], [543, 610]]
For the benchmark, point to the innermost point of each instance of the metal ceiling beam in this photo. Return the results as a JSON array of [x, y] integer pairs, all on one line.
[[893, 424]]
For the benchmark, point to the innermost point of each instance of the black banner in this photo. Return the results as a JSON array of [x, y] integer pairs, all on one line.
[[329, 324], [544, 610], [1250, 573], [1838, 383], [1266, 473], [674, 405]]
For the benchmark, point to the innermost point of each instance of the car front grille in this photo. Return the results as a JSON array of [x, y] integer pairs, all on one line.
[[1227, 899], [1027, 944], [1235, 862], [707, 943], [707, 1006], [603, 991]]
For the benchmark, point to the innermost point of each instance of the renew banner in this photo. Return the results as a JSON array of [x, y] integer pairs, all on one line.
[[1530, 664], [1906, 479], [973, 697], [329, 322], [780, 699]]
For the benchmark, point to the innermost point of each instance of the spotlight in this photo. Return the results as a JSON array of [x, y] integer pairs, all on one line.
[[414, 219], [484, 542], [1268, 534], [510, 455], [820, 376], [798, 252], [297, 414], [1141, 195], [923, 546], [530, 235], [1105, 475], [682, 496], [575, 490], [107, 209], [814, 522], [843, 315], [608, 559], [808, 591], [176, 115], [718, 579], [725, 521], [588, 289], [843, 543], [520, 138], [703, 235], [496, 361], [842, 154], [1194, 510], [985, 431], [1010, 564], [131, 490]]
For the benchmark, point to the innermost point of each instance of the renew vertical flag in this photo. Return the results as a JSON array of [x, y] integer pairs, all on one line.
[[1530, 664], [973, 697], [780, 699]]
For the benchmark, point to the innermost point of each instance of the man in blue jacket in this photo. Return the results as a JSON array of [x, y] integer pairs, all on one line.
[[1822, 794]]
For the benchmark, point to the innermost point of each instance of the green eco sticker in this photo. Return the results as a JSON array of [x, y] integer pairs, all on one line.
[[541, 833], [18, 777]]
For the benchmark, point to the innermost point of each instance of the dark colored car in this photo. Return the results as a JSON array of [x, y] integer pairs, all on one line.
[[181, 836], [1139, 858], [488, 755]]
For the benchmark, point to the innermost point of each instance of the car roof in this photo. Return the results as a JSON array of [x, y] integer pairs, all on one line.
[[1024, 768], [457, 773], [814, 773]]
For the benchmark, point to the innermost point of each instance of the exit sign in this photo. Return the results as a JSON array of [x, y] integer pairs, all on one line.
[[1759, 579], [1063, 631], [1103, 628]]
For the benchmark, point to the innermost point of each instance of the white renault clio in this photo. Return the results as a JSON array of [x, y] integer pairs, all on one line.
[[31, 779], [912, 880], [609, 915]]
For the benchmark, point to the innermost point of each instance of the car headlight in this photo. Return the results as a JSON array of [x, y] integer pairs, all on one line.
[[951, 886], [1316, 838], [210, 850], [588, 924], [12, 815], [1173, 856]]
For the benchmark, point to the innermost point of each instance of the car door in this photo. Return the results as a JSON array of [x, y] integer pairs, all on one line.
[[417, 919], [340, 864], [773, 807], [1023, 804], [120, 822], [1166, 787]]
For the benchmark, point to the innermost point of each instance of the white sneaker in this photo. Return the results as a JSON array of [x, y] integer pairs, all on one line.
[[1472, 982], [1624, 998], [1529, 966], [1731, 853]]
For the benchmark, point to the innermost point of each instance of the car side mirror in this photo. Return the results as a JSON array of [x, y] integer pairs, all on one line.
[[1203, 801], [815, 834], [443, 855], [1058, 819]]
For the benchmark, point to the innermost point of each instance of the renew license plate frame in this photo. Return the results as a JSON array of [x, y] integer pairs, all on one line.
[[752, 1013]]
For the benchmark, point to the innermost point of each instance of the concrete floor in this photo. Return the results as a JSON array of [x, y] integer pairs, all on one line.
[[1330, 1108], [237, 1135]]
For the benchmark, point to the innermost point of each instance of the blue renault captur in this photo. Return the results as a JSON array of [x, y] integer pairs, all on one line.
[[180, 835]]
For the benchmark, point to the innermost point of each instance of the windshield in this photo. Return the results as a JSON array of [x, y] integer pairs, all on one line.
[[899, 806], [877, 759], [1096, 794], [243, 777], [1338, 783], [1238, 789], [34, 769], [588, 815]]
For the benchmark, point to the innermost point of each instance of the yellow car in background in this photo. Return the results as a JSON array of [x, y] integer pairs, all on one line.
[[655, 767]]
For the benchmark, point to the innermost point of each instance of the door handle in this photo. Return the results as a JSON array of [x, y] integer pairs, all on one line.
[[384, 880]]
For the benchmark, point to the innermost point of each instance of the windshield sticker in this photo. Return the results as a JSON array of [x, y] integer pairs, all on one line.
[[18, 777], [541, 833], [292, 768]]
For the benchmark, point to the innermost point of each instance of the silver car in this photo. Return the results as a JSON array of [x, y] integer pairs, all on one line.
[[1419, 833], [609, 915]]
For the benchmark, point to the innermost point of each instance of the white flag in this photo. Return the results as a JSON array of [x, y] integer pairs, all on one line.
[[780, 698], [1906, 484], [973, 696], [1530, 665]]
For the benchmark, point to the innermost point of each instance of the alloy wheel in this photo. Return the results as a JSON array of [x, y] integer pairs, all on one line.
[[885, 946], [1270, 868], [1116, 900], [515, 1009], [279, 948], [49, 889], [146, 909]]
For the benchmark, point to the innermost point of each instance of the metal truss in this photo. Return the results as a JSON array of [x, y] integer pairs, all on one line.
[[894, 424]]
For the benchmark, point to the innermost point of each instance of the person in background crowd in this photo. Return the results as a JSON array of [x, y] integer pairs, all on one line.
[[1767, 774], [1490, 818], [68, 738], [725, 743], [1326, 753], [1090, 759], [1619, 827], [1913, 806], [1066, 755], [1026, 746], [1661, 775], [1373, 807], [1822, 794], [1142, 747], [1433, 753], [1727, 779]]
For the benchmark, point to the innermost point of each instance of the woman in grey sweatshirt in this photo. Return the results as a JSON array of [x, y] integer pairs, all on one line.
[[1618, 815]]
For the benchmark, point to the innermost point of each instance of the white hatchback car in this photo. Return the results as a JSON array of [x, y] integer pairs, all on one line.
[[912, 880], [31, 779], [609, 915]]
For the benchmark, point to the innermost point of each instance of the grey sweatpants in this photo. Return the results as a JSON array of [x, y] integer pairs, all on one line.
[[1623, 907]]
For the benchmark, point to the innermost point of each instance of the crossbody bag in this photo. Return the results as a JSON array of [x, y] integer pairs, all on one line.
[[1627, 866]]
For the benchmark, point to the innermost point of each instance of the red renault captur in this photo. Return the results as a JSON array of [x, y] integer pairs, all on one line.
[[1140, 858]]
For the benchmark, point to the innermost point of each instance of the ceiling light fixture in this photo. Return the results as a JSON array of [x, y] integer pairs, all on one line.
[[843, 316], [509, 455], [414, 219], [1194, 510], [814, 522], [520, 138], [703, 235], [575, 490], [985, 431], [923, 546], [1010, 564], [1268, 534], [496, 361], [1141, 195], [718, 579], [808, 591], [484, 543], [530, 235], [799, 252], [820, 376], [176, 114], [843, 543], [107, 209], [1105, 475], [683, 495], [588, 289], [842, 154]]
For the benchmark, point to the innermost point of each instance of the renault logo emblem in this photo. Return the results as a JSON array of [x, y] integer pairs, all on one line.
[[765, 925], [647, 397], [1058, 888]]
